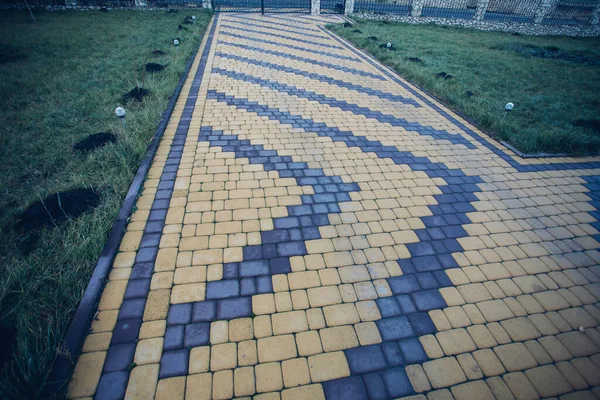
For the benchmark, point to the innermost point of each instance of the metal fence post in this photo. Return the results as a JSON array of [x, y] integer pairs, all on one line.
[[542, 10], [417, 7], [315, 7], [262, 7], [482, 6], [595, 19], [349, 7]]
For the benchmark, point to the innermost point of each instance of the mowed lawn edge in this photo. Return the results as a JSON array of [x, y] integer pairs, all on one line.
[[62, 79], [553, 81]]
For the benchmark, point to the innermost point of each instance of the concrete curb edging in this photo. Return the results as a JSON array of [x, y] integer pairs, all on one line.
[[81, 319]]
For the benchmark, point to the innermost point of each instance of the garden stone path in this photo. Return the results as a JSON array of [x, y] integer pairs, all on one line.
[[314, 226]]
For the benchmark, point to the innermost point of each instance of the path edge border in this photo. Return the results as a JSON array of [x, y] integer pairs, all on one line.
[[80, 322]]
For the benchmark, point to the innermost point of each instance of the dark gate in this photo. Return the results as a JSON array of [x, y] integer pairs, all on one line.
[[264, 6], [333, 6]]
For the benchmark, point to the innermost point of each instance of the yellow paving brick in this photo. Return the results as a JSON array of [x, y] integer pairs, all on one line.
[[142, 382], [472, 390], [295, 372], [368, 310], [520, 329], [328, 366], [86, 375], [247, 353], [276, 348], [104, 321], [241, 329], [431, 346], [367, 333], [455, 341], [268, 377], [171, 388], [262, 326], [417, 378], [112, 296], [444, 372], [219, 332], [323, 296], [223, 356], [338, 338], [157, 305], [222, 385], [309, 343], [289, 322], [469, 366], [199, 360], [520, 386], [243, 381], [188, 293], [263, 304], [280, 283], [548, 381], [589, 371], [308, 392], [96, 342], [148, 351], [488, 362], [283, 302], [494, 310], [342, 314], [515, 357]]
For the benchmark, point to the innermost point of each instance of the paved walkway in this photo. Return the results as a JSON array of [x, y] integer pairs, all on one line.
[[315, 227]]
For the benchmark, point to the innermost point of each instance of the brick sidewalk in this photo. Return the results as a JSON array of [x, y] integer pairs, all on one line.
[[315, 227]]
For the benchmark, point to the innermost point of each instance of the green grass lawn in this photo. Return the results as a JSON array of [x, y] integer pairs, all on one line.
[[553, 81], [61, 79]]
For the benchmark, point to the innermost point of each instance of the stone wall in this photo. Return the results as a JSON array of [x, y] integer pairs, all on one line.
[[513, 27]]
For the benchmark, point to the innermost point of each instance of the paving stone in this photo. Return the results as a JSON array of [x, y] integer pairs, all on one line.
[[174, 363], [395, 328], [520, 386], [289, 322], [112, 385], [375, 386], [180, 314], [488, 362], [515, 357], [243, 380], [338, 338], [345, 388], [397, 382], [126, 331], [119, 357], [444, 372], [234, 308], [222, 289], [268, 377], [365, 359], [328, 366], [548, 381], [142, 381], [455, 341], [413, 351], [295, 372], [472, 390], [308, 392], [276, 348]]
